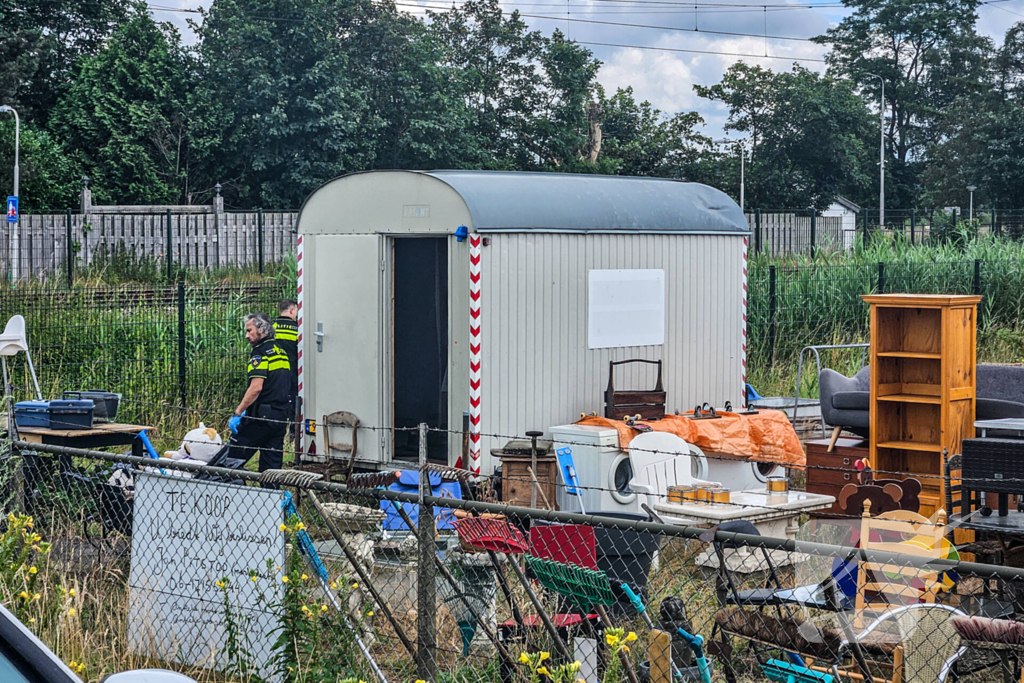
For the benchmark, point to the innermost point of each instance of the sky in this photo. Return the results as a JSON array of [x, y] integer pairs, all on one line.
[[663, 76]]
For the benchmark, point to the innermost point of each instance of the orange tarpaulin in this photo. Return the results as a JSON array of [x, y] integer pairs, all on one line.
[[767, 436]]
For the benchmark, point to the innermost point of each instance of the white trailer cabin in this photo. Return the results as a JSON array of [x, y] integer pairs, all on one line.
[[404, 322]]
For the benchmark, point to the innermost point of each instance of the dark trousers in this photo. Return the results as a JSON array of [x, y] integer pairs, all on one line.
[[265, 435]]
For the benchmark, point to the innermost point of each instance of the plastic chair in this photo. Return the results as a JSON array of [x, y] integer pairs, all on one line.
[[660, 460], [13, 341]]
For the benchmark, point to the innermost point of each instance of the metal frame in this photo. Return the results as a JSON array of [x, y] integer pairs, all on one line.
[[817, 356]]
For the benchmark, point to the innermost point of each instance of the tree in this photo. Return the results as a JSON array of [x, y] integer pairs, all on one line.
[[929, 55], [127, 116], [49, 179], [639, 140], [808, 134], [42, 44], [291, 75]]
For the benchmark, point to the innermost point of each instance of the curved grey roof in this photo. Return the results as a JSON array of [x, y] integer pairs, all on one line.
[[570, 202]]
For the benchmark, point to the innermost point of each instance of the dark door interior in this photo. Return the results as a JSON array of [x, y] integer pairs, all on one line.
[[420, 328]]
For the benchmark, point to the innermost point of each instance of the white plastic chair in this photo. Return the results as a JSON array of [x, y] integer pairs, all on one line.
[[12, 341], [660, 460]]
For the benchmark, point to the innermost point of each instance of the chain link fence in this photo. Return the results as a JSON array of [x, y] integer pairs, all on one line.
[[229, 574]]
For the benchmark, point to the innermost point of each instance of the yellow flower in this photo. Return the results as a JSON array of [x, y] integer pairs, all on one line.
[[354, 586], [334, 585], [71, 592], [254, 579], [573, 668], [23, 595], [580, 680], [323, 608], [631, 637], [71, 612], [282, 528], [420, 680], [304, 577], [305, 610], [301, 527], [219, 584], [32, 620], [284, 579], [625, 648], [545, 655], [523, 659], [32, 570], [36, 596], [544, 670], [612, 640], [370, 613]]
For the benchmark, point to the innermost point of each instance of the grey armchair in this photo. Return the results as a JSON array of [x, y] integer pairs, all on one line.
[[1000, 391], [845, 402]]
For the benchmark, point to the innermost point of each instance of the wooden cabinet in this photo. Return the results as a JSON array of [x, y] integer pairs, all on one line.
[[828, 473], [923, 350], [516, 481]]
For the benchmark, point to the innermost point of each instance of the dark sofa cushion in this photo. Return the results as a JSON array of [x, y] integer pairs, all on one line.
[[852, 400], [996, 409]]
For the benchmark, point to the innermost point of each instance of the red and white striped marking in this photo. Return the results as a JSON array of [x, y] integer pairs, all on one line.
[[474, 354], [743, 356], [298, 300]]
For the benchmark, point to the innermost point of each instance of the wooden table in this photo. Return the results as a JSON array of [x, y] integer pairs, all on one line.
[[100, 436]]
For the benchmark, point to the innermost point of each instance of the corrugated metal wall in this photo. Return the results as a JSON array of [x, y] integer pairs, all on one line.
[[537, 369]]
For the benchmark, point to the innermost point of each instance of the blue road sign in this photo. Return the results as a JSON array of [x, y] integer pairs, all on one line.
[[12, 209]]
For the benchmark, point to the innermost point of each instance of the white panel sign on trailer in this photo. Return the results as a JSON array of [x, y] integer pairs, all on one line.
[[626, 308]]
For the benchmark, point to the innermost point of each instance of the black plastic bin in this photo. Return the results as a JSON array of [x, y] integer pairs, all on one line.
[[626, 557]]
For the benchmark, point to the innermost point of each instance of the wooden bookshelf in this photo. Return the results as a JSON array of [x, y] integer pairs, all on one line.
[[923, 350]]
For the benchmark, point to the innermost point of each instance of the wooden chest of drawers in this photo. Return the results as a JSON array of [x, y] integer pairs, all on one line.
[[828, 473]]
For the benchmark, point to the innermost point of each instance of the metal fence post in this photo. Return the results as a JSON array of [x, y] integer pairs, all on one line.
[[977, 276], [182, 375], [70, 256], [426, 598], [170, 258], [772, 308], [757, 230], [259, 238], [814, 231], [992, 221], [867, 237], [881, 278], [913, 225]]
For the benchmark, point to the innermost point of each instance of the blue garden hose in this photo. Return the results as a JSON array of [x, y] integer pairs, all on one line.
[[697, 645]]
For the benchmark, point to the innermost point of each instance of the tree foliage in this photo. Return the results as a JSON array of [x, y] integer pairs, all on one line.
[[807, 134]]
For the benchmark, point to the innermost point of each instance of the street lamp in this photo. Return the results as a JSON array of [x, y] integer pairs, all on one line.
[[15, 242], [881, 153], [17, 141], [971, 189]]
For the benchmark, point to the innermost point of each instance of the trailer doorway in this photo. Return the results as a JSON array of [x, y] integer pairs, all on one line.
[[419, 326]]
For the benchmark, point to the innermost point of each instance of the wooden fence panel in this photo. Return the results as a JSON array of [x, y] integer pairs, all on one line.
[[199, 240]]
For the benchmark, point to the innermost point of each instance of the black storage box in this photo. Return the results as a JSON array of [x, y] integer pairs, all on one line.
[[105, 403], [71, 414]]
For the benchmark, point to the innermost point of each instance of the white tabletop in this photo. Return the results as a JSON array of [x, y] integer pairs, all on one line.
[[755, 506], [1009, 423]]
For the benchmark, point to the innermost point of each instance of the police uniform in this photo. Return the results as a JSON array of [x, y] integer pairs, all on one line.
[[264, 423], [287, 332]]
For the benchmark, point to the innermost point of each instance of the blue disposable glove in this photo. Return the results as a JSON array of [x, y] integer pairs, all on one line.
[[234, 421]]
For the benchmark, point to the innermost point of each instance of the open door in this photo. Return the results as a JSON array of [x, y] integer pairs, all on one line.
[[349, 370], [419, 343]]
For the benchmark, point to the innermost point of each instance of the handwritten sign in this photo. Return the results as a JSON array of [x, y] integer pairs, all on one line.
[[186, 536]]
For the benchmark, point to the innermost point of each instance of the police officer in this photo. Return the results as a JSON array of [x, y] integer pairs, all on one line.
[[286, 332], [260, 419]]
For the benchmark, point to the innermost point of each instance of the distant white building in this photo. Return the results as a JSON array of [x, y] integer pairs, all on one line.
[[847, 210]]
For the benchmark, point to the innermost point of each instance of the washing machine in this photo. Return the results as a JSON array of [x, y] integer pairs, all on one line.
[[603, 469], [740, 475]]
